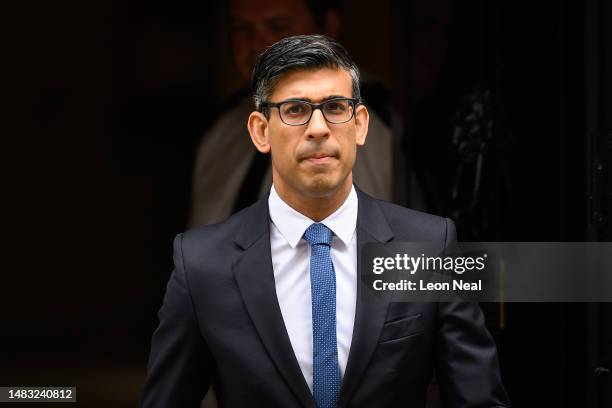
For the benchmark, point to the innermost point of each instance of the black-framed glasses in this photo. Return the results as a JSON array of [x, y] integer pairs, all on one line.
[[297, 112]]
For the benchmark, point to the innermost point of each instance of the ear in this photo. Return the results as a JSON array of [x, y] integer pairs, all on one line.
[[258, 129], [362, 120], [331, 23]]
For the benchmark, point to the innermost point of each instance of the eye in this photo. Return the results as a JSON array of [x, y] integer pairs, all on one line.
[[336, 106], [294, 108]]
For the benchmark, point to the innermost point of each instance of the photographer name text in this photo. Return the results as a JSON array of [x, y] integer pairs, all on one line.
[[409, 285]]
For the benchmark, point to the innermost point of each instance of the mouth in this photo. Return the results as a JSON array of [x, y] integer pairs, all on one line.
[[319, 158]]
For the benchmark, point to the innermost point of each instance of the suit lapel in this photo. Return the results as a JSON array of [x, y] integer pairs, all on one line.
[[371, 309], [255, 278]]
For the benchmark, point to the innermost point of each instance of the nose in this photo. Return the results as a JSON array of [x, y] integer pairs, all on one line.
[[317, 127]]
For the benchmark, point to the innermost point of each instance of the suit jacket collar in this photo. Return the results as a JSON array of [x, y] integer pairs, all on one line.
[[255, 278], [371, 219], [255, 222]]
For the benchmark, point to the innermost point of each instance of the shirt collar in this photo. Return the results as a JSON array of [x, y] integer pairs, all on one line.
[[292, 224]]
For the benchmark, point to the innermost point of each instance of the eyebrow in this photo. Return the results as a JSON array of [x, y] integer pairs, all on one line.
[[305, 99]]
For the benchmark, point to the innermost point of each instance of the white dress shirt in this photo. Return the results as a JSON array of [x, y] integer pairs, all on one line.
[[291, 263]]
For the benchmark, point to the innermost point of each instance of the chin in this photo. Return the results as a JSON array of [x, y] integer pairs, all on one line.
[[323, 186]]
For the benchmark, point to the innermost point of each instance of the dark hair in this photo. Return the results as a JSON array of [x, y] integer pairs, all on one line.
[[306, 52]]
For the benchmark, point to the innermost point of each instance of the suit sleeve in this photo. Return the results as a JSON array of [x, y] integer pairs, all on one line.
[[466, 362], [180, 365]]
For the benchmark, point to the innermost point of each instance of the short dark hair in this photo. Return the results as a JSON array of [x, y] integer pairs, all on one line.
[[300, 52]]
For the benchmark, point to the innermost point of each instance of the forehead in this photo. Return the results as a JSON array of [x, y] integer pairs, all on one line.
[[314, 85], [264, 9]]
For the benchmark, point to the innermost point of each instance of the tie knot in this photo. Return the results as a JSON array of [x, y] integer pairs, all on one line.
[[318, 234]]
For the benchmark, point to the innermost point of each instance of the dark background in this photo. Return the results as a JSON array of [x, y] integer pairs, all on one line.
[[117, 95]]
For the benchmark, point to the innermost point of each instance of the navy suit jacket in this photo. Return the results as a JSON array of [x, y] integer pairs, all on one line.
[[221, 323]]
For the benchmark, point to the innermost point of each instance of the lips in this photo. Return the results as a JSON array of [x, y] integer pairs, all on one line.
[[318, 155], [319, 158]]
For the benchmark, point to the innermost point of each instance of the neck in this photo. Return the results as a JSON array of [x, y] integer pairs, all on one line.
[[317, 208]]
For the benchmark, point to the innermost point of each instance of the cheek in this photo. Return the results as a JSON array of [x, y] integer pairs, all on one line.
[[349, 156], [283, 151], [347, 141]]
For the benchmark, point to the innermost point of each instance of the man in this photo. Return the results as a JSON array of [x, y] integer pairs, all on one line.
[[267, 305], [226, 149]]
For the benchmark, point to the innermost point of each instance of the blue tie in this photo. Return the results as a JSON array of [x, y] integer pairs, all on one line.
[[326, 372]]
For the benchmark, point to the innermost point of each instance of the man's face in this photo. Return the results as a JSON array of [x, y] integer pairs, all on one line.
[[257, 24], [314, 159]]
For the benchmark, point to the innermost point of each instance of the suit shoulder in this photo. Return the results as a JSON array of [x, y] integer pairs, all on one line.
[[400, 211], [413, 225], [210, 239]]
